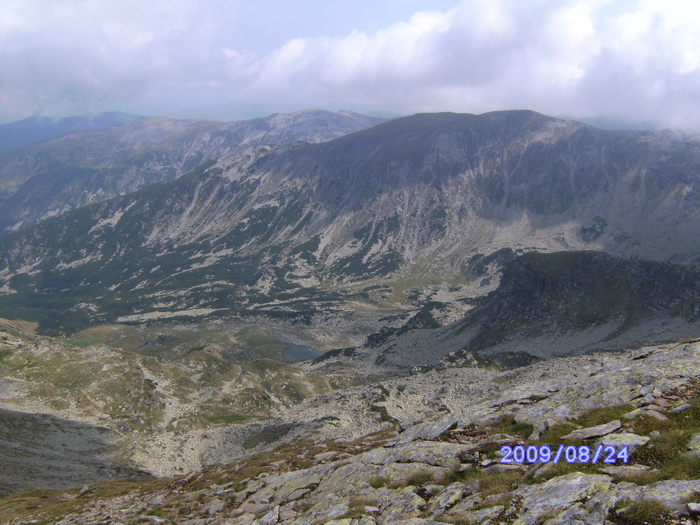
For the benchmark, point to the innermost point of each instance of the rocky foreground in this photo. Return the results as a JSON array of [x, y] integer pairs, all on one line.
[[449, 469]]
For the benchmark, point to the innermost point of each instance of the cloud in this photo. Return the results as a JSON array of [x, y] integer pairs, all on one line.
[[578, 58], [635, 60], [84, 55]]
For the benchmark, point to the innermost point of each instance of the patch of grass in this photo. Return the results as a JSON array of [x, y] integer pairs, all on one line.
[[228, 419], [552, 436], [85, 341], [682, 467], [641, 478], [377, 482], [356, 508], [53, 505], [508, 425], [455, 475], [662, 450], [563, 468], [384, 391], [267, 435], [384, 414], [643, 512], [602, 415], [498, 483], [417, 479], [156, 511], [489, 482], [456, 520]]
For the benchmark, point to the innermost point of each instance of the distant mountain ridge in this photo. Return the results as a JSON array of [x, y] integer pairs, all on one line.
[[260, 229], [37, 129], [45, 179]]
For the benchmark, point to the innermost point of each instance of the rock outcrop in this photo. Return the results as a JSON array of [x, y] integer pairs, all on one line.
[[458, 473]]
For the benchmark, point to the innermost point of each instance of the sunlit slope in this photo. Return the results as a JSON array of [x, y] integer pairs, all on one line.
[[278, 230]]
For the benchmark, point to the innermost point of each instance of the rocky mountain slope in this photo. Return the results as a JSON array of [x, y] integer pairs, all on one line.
[[449, 465], [549, 305], [283, 230], [400, 229], [42, 180]]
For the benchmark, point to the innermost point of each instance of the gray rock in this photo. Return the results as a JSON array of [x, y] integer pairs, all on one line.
[[326, 510], [538, 429], [427, 431], [326, 456], [633, 442], [245, 519], [656, 415], [484, 515], [680, 408], [144, 519], [539, 469], [401, 504], [634, 414], [438, 454], [694, 445], [624, 470], [215, 506], [637, 412], [416, 521], [575, 515], [597, 431], [673, 493], [501, 467], [447, 498], [467, 504], [559, 493]]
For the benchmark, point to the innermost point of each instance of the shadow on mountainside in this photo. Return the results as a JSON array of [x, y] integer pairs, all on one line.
[[42, 451]]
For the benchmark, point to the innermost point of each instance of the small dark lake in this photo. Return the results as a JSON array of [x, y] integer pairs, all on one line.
[[301, 353]]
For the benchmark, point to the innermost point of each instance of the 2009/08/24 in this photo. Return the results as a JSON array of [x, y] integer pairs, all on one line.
[[569, 453]]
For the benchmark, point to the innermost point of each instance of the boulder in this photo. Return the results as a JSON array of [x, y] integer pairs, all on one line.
[[427, 431], [447, 498], [597, 431], [633, 442], [694, 445], [559, 493]]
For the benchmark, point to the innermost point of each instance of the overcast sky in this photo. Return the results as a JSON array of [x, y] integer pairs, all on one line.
[[636, 60]]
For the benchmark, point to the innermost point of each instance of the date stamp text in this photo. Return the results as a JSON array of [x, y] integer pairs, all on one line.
[[564, 453]]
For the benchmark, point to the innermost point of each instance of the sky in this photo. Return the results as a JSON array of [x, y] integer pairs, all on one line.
[[627, 60]]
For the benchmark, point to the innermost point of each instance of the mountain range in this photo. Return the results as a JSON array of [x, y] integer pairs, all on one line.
[[467, 281], [290, 229], [38, 129], [92, 165]]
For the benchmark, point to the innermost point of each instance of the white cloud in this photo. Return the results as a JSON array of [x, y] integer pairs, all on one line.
[[558, 57], [637, 60]]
